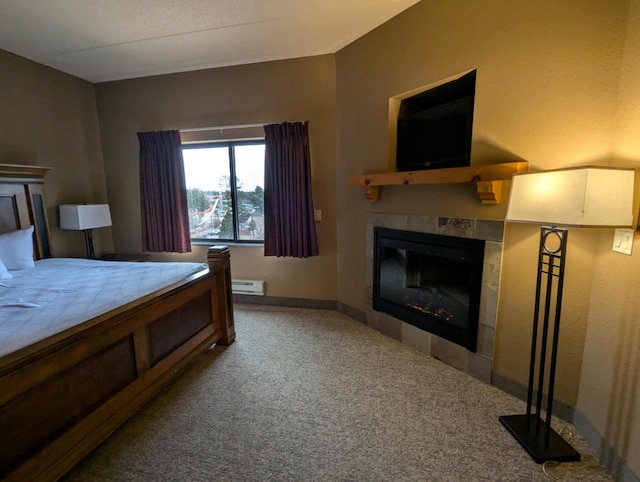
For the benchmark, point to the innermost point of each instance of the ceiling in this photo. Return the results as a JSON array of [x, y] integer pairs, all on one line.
[[102, 40]]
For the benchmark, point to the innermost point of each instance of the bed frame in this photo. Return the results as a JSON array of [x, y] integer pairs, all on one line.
[[60, 397]]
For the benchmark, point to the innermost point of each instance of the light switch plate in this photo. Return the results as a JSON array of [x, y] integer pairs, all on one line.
[[317, 214], [623, 241]]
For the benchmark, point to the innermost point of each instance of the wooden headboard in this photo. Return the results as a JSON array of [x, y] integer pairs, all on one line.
[[22, 204]]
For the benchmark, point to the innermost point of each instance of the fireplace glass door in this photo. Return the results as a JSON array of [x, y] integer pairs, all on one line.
[[431, 281]]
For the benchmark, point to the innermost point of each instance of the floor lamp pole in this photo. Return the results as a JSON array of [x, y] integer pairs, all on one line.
[[535, 435]]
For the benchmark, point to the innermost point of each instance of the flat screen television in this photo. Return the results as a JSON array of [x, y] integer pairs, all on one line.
[[435, 127]]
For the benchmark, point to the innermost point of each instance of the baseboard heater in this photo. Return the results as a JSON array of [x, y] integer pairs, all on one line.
[[247, 287]]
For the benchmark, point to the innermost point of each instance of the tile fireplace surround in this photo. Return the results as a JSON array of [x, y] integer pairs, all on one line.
[[476, 364]]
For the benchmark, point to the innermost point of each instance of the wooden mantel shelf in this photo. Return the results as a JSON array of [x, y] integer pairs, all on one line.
[[487, 178]]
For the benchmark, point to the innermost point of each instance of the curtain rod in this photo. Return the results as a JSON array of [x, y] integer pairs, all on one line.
[[224, 128], [221, 128]]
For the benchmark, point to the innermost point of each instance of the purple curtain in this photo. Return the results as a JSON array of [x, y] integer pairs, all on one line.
[[290, 228], [163, 193]]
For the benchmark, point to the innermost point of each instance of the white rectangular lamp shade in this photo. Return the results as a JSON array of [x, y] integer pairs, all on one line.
[[588, 196], [84, 216]]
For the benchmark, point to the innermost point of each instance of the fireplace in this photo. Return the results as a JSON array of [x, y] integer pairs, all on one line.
[[431, 281]]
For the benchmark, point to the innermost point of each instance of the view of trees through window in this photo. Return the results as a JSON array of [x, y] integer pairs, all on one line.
[[225, 190]]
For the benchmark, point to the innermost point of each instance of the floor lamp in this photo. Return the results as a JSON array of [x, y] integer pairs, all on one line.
[[579, 197], [85, 217]]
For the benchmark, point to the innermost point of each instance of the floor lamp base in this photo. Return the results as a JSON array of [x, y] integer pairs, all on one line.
[[558, 448]]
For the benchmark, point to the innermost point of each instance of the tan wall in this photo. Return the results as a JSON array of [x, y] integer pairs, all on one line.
[[48, 118], [626, 141], [547, 85], [610, 388], [292, 90]]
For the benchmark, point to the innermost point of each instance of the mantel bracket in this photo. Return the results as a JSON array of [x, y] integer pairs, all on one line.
[[489, 192], [371, 193]]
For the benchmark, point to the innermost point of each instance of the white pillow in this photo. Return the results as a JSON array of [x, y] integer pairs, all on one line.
[[4, 274], [16, 249]]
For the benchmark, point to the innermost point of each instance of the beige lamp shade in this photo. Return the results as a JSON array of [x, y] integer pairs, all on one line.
[[84, 216], [586, 196]]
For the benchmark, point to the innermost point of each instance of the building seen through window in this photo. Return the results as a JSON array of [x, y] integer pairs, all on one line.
[[225, 190]]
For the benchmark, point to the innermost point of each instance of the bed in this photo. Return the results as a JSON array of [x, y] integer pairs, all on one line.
[[64, 391]]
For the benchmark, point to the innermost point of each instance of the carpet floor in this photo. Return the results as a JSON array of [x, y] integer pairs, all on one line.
[[313, 395]]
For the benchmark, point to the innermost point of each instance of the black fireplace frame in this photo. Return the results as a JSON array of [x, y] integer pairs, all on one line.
[[461, 249]]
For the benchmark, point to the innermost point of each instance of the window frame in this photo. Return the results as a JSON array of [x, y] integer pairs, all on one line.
[[230, 145]]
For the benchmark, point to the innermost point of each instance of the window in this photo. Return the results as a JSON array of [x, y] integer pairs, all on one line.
[[225, 191]]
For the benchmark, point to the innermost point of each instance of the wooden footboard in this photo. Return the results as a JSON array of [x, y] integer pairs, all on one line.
[[61, 398]]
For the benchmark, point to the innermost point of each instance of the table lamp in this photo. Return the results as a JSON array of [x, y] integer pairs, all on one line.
[[85, 217]]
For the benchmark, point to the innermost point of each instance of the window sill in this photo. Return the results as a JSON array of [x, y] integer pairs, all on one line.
[[215, 242]]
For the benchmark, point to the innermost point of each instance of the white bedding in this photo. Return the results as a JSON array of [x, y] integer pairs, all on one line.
[[62, 292]]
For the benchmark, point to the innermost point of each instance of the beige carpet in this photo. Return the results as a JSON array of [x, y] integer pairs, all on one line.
[[313, 395]]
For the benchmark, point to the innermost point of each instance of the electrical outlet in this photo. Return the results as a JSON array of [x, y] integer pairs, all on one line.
[[317, 214], [623, 241]]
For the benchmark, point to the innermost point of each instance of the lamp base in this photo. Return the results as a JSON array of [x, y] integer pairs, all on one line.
[[558, 448]]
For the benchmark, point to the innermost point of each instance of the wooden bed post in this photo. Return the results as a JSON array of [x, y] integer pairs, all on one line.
[[218, 258]]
